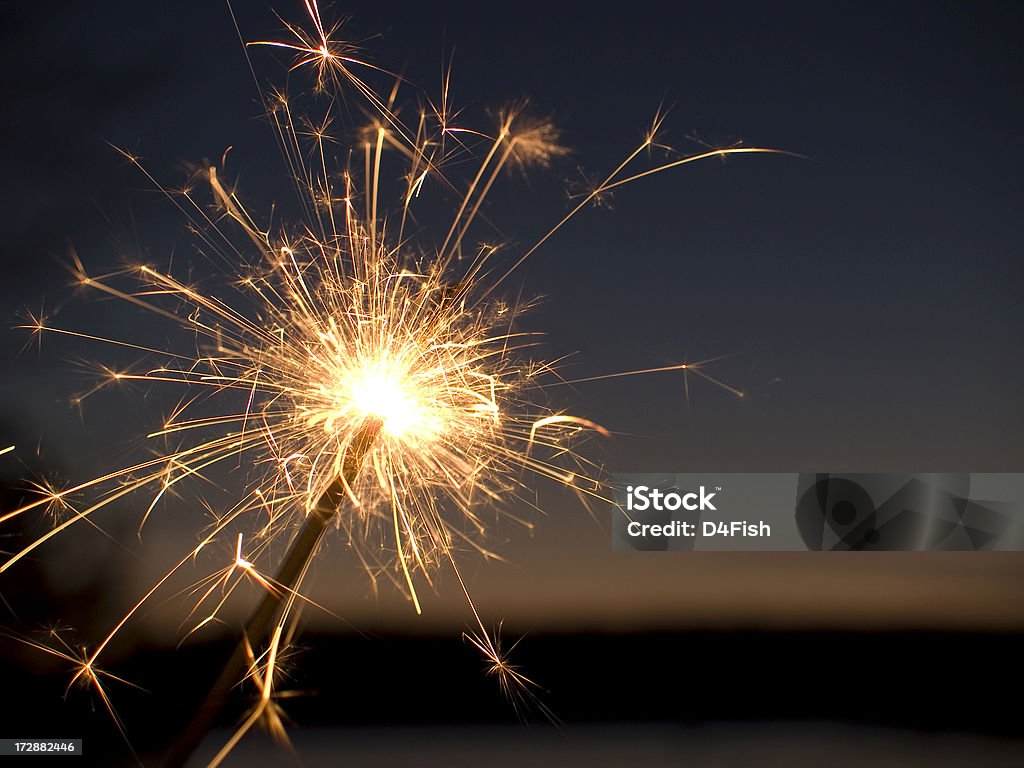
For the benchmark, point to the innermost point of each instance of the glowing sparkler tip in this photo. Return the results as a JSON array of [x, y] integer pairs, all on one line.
[[375, 391]]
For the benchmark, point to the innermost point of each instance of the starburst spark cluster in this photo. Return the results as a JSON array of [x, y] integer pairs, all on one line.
[[356, 325]]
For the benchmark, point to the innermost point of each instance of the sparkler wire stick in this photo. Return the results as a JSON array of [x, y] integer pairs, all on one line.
[[286, 582]]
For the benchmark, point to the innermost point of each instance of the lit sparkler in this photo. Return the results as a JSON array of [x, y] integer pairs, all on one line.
[[370, 385]]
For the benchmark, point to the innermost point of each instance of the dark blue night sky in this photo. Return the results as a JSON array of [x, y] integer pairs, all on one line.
[[866, 297], [869, 293]]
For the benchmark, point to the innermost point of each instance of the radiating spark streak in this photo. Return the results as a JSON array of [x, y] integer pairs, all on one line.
[[562, 418], [330, 57], [643, 371], [695, 158], [498, 166], [39, 328], [222, 580], [248, 406], [583, 204], [86, 673], [695, 368], [376, 185], [732, 390], [401, 559], [210, 421], [442, 251], [156, 587], [511, 681], [128, 489], [611, 183], [188, 213], [185, 471], [258, 238], [266, 687], [8, 449]]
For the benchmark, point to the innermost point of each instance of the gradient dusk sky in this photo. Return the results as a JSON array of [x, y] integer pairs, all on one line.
[[868, 297]]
